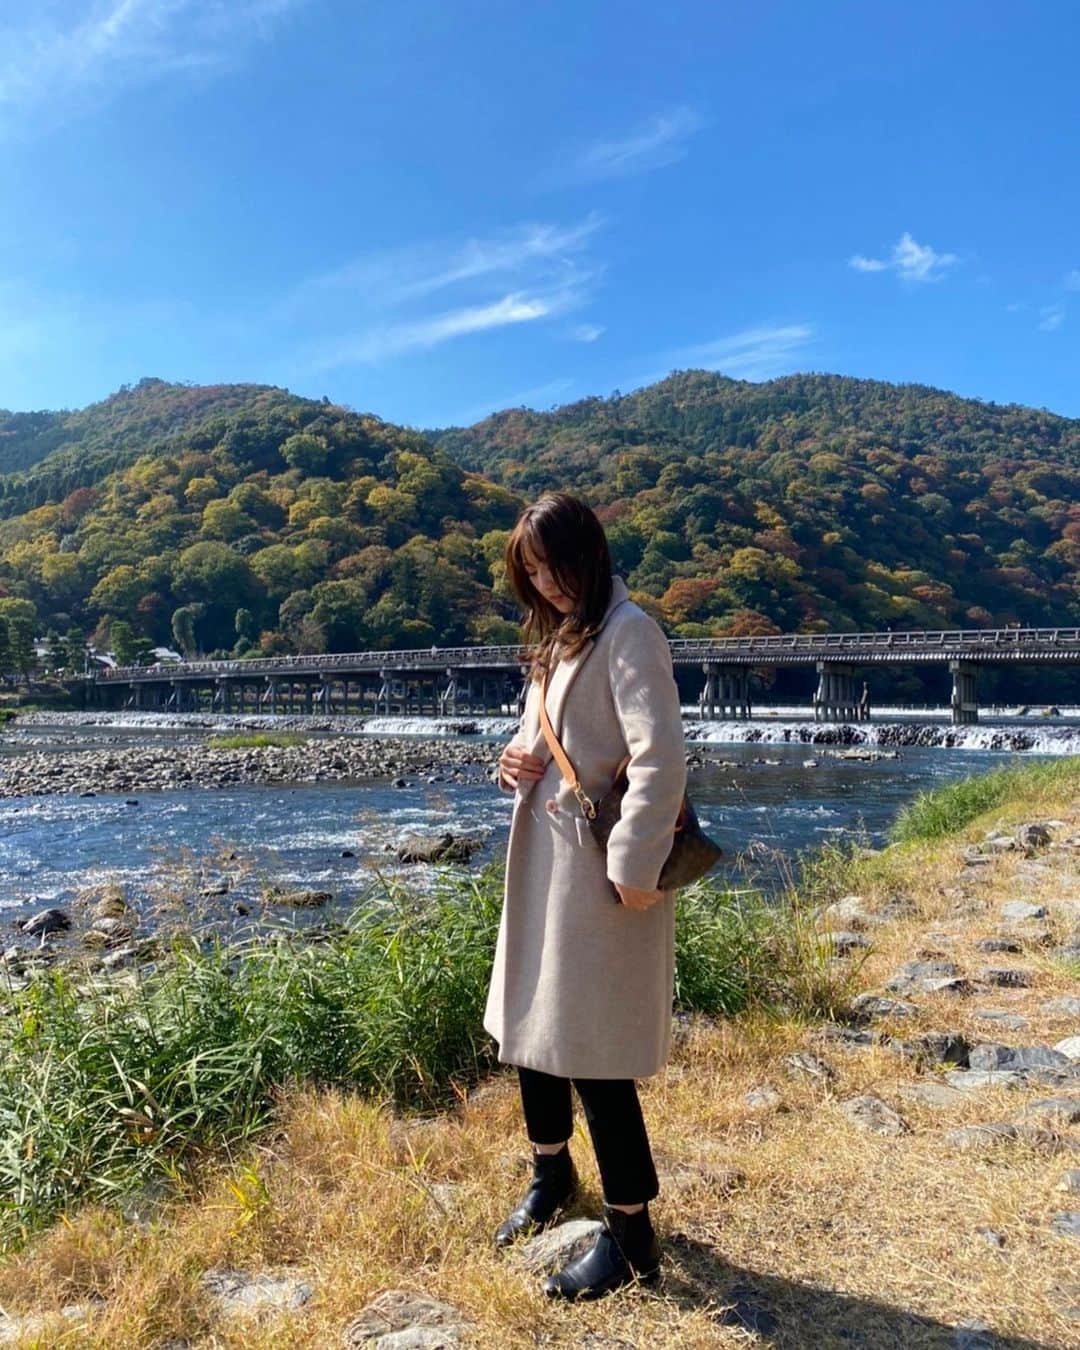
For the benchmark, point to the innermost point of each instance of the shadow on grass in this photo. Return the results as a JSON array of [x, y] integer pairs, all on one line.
[[790, 1315]]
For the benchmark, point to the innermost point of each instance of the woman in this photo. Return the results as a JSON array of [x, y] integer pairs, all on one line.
[[582, 985]]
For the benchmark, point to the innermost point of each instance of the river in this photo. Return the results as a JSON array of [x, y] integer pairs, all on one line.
[[765, 800]]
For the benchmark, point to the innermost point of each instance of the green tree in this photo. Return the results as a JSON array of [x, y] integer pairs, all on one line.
[[212, 574], [306, 453], [128, 647], [75, 651], [7, 660], [118, 591], [20, 620], [184, 628], [223, 519], [55, 654], [341, 611], [246, 625]]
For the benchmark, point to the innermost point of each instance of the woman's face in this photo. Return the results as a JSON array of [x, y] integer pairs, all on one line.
[[542, 580]]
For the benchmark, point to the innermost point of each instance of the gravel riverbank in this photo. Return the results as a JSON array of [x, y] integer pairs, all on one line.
[[332, 759]]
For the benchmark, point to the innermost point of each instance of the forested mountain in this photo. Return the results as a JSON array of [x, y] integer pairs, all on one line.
[[241, 519], [83, 446], [815, 500]]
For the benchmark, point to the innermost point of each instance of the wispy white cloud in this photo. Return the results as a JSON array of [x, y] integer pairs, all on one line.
[[661, 141], [97, 48], [1072, 280], [909, 260], [380, 306], [378, 343], [753, 354], [759, 353], [587, 332], [400, 274], [1051, 317]]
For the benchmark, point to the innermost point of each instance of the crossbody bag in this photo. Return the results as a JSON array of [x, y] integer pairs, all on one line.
[[692, 854]]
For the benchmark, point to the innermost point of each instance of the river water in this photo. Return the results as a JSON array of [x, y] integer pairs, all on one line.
[[766, 801]]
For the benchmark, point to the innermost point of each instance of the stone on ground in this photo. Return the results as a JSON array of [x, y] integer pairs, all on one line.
[[550, 1250], [870, 1113], [247, 1293], [400, 1318]]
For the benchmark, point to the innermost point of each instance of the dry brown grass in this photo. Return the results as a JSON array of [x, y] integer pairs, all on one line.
[[847, 1238]]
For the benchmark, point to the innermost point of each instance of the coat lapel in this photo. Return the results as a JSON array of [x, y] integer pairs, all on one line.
[[562, 678]]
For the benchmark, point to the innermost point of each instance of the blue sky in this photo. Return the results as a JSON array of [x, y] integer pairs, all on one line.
[[433, 210]]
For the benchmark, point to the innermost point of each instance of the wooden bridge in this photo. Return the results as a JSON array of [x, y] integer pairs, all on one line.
[[456, 680], [451, 681]]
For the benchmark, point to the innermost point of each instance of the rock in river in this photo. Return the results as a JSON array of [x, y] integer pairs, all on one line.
[[443, 848]]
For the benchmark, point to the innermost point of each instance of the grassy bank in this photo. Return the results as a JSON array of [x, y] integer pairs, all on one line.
[[296, 1095], [945, 810]]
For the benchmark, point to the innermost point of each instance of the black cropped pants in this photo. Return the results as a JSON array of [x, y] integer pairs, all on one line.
[[613, 1114]]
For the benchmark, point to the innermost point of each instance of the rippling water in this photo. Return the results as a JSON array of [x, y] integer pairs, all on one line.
[[763, 799]]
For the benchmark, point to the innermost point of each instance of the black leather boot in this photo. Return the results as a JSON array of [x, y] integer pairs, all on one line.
[[554, 1182], [625, 1251]]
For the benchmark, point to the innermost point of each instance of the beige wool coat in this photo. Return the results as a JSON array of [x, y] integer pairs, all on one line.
[[582, 985]]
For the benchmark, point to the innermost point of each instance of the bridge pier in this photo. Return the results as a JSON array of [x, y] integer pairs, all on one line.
[[726, 688], [965, 707], [835, 699], [386, 692], [458, 690], [448, 699], [469, 692]]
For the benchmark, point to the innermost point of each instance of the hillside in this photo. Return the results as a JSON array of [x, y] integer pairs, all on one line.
[[85, 444], [817, 500], [242, 519]]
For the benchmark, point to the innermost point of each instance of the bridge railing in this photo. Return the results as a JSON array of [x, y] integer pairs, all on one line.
[[969, 640], [880, 641]]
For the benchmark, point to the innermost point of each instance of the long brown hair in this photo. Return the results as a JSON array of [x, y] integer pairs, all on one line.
[[563, 532]]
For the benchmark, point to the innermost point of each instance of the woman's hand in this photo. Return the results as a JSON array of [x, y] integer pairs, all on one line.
[[633, 898], [518, 766]]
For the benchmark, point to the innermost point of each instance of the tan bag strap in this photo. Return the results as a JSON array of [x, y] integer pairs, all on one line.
[[562, 759], [566, 767]]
